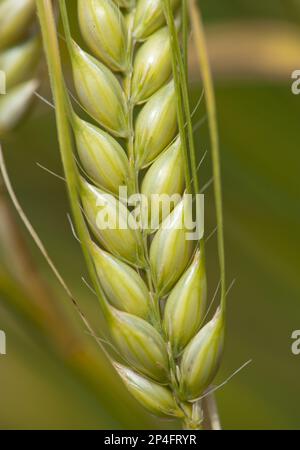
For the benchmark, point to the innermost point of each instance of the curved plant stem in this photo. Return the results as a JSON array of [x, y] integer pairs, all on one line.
[[210, 405], [28, 225], [16, 252], [40, 244], [23, 270], [49, 33], [203, 59], [185, 35]]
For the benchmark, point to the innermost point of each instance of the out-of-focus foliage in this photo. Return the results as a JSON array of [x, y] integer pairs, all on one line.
[[243, 9], [259, 131]]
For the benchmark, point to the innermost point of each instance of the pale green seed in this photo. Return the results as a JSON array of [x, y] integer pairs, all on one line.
[[99, 92], [15, 104], [185, 308], [103, 29], [140, 345], [156, 125], [201, 359], [112, 224], [152, 66], [19, 62], [164, 180], [102, 157], [155, 398], [15, 17], [123, 287], [149, 17], [170, 250]]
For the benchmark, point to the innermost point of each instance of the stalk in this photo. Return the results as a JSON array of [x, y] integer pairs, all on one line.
[[133, 173], [166, 353], [49, 33], [203, 59], [180, 72], [181, 69], [179, 97], [185, 35]]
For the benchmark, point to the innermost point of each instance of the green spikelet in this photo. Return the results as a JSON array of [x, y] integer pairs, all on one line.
[[150, 277]]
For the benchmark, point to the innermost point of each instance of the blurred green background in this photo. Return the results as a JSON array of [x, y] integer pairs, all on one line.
[[54, 375]]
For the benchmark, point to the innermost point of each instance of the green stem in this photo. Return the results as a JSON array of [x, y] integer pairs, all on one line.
[[202, 55], [180, 114], [49, 33], [185, 35], [180, 67], [133, 175], [66, 25], [183, 135], [181, 75]]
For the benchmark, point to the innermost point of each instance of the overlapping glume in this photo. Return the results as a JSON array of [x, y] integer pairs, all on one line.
[[154, 282]]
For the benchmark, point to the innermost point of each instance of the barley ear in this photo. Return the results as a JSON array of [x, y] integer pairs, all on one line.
[[19, 55], [14, 105], [15, 18], [152, 289]]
